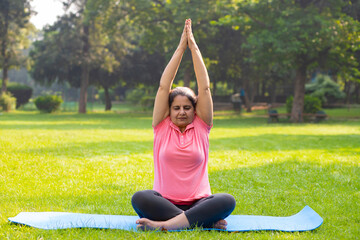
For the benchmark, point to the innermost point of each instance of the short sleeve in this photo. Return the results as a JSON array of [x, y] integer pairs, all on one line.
[[199, 122], [161, 124]]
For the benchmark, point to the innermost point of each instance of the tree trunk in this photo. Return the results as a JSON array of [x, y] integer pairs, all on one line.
[[187, 76], [188, 66], [5, 78], [4, 55], [272, 91], [246, 95], [107, 99], [347, 91], [263, 88], [85, 70], [214, 82], [299, 94], [357, 92]]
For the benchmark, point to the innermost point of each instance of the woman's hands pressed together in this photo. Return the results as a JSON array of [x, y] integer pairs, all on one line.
[[190, 37], [187, 38], [183, 40]]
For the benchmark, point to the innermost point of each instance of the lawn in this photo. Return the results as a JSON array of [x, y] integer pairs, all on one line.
[[93, 163]]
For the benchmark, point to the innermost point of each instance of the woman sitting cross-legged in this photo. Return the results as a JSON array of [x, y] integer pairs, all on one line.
[[181, 196]]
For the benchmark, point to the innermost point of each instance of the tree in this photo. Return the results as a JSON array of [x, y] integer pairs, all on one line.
[[93, 17], [79, 44], [302, 35], [142, 67], [14, 16], [57, 56], [112, 44], [161, 22]]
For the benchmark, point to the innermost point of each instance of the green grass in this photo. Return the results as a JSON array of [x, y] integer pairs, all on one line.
[[345, 113], [90, 107], [93, 163]]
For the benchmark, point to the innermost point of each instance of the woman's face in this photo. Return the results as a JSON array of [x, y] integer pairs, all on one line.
[[182, 112]]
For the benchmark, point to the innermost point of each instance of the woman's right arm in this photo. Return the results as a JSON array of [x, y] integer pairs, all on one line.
[[161, 105]]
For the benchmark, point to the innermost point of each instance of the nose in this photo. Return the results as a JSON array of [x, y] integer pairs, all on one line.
[[182, 111]]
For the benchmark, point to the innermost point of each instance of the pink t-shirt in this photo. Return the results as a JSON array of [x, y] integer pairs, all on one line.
[[180, 161]]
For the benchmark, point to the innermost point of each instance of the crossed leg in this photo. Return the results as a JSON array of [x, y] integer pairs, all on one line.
[[156, 212]]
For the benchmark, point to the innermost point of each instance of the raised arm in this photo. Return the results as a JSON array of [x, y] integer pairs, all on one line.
[[204, 105], [161, 105]]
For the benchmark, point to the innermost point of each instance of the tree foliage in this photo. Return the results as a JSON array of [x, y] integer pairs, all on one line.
[[300, 35], [82, 48], [14, 32], [254, 45], [325, 89]]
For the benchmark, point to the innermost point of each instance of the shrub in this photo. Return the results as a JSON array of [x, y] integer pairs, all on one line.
[[7, 102], [223, 89], [21, 92], [48, 103], [324, 88], [101, 93], [134, 96], [311, 104], [147, 102]]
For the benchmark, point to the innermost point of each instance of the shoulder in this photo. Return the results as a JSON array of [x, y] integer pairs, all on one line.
[[200, 124], [163, 124]]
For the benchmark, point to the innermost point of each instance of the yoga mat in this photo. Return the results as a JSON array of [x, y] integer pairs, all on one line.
[[305, 220]]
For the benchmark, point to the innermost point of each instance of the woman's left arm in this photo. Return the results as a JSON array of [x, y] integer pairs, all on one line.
[[204, 105]]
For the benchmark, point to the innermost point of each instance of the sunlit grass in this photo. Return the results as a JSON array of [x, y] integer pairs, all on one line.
[[93, 163]]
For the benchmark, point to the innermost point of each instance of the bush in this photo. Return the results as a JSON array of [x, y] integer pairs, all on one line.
[[101, 93], [147, 102], [48, 103], [21, 92], [324, 88], [134, 96], [311, 104], [7, 102]]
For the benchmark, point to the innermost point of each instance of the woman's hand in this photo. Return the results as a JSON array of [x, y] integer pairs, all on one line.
[[183, 40], [190, 37]]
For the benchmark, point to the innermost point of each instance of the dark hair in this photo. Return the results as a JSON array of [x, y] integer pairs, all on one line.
[[183, 91]]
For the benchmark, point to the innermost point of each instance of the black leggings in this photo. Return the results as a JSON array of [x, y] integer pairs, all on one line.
[[203, 213]]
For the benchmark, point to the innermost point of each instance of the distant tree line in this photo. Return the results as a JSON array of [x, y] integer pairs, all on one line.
[[256, 46]]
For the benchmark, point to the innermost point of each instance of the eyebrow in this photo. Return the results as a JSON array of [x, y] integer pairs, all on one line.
[[183, 105]]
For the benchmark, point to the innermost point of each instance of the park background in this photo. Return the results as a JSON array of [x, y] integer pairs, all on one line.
[[97, 68]]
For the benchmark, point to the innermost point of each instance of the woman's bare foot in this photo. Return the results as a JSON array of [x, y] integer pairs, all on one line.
[[221, 224], [178, 222], [147, 224]]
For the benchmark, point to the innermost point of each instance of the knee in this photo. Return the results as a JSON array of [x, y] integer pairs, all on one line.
[[141, 197], [228, 201]]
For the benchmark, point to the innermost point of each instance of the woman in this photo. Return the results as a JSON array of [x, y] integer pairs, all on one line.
[[181, 197]]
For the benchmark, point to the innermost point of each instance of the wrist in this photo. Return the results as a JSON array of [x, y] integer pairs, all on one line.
[[181, 48], [194, 48]]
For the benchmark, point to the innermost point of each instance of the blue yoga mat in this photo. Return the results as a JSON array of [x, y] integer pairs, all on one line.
[[305, 220]]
